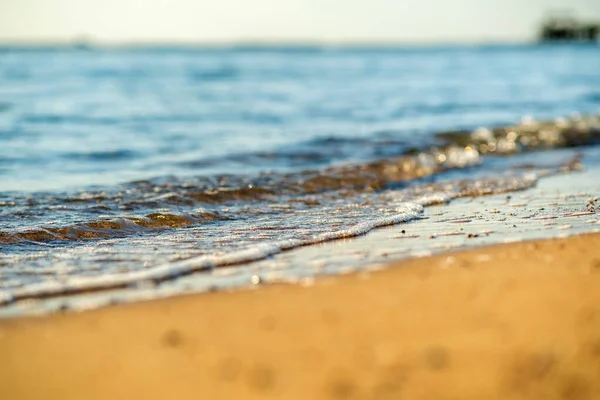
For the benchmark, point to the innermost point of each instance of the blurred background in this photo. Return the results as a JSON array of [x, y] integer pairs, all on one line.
[[103, 93], [274, 21]]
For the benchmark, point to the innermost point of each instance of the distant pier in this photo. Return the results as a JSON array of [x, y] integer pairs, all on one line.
[[565, 28]]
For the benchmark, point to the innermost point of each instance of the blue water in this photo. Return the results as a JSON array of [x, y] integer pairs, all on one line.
[[120, 165], [71, 118]]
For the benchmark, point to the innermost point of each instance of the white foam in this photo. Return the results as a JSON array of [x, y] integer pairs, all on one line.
[[405, 212]]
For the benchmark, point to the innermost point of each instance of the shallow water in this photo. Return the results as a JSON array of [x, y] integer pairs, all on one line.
[[129, 167], [557, 206]]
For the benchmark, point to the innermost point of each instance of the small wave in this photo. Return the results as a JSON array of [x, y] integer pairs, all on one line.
[[4, 106], [68, 119], [402, 212], [79, 119], [134, 225], [102, 229], [530, 135], [455, 151], [108, 155], [123, 73], [593, 97], [168, 271], [276, 158], [316, 152], [213, 74], [232, 189]]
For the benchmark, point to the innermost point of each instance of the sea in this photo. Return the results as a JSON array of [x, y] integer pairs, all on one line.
[[131, 167]]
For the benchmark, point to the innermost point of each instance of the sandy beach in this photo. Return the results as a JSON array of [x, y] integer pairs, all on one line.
[[513, 321], [287, 201]]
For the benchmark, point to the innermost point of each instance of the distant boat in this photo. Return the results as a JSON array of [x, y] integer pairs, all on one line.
[[562, 27]]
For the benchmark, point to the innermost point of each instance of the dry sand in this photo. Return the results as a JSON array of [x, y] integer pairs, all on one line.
[[516, 321]]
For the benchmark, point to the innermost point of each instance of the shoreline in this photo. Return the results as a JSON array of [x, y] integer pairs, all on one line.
[[510, 321], [554, 207]]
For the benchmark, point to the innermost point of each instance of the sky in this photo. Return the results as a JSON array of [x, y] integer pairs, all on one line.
[[336, 21]]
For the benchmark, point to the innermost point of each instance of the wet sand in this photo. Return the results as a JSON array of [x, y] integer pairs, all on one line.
[[513, 321]]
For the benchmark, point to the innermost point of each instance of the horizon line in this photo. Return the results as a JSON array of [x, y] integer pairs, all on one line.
[[86, 42]]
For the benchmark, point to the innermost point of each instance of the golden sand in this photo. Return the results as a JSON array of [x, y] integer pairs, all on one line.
[[516, 321]]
